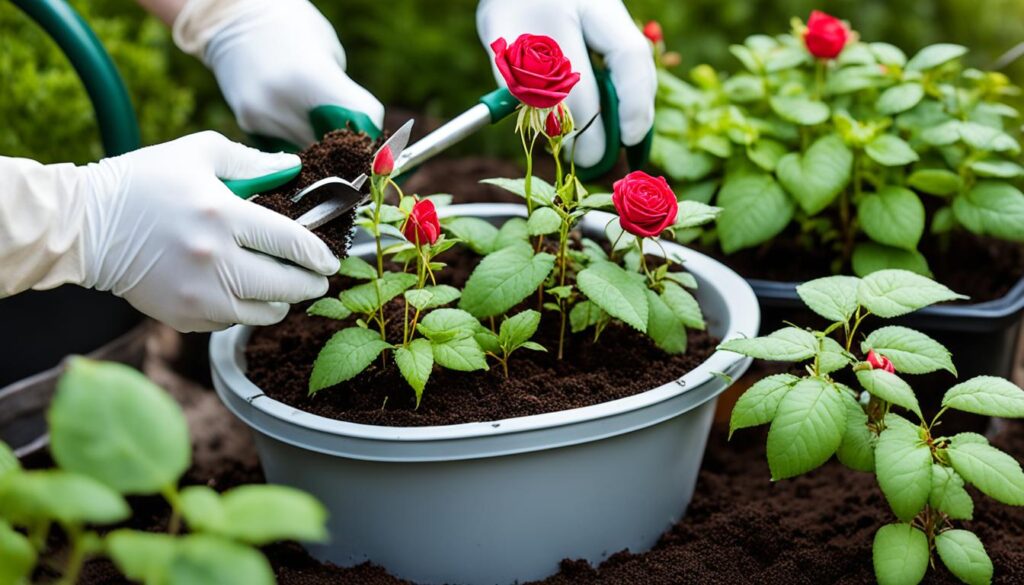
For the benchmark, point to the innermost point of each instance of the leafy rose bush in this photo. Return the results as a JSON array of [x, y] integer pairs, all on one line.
[[880, 428], [113, 433], [529, 269], [844, 140]]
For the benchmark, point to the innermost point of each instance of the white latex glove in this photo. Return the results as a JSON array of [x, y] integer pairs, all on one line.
[[157, 227], [275, 61], [602, 25]]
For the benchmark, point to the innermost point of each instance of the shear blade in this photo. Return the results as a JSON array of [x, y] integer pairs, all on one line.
[[343, 196]]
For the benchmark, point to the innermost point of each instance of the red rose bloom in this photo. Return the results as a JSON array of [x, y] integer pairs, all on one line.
[[825, 36], [880, 362], [384, 162], [422, 227], [536, 71], [646, 205], [652, 30]]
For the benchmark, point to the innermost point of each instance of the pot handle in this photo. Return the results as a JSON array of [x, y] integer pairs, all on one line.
[[119, 129]]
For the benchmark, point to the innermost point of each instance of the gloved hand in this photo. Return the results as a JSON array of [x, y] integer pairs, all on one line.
[[157, 227], [277, 62], [602, 25]]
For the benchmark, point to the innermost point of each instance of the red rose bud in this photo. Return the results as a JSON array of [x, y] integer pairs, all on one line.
[[422, 227], [652, 30], [646, 205], [536, 71], [553, 124], [384, 162], [825, 36], [880, 362]]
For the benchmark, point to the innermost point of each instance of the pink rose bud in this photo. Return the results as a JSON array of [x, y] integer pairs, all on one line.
[[652, 30], [880, 362], [535, 69], [384, 162], [825, 36], [646, 205], [553, 123]]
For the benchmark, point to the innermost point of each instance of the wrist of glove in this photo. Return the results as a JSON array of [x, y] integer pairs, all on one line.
[[160, 229], [578, 26], [276, 61]]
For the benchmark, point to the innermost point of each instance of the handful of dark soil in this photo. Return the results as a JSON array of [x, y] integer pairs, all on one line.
[[341, 153]]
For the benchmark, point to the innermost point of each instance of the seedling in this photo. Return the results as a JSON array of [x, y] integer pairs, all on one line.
[[114, 433], [881, 428]]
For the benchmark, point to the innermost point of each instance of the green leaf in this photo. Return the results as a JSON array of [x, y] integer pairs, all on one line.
[[683, 305], [871, 257], [462, 354], [663, 326], [329, 307], [415, 364], [111, 423], [369, 297], [758, 405], [17, 556], [478, 234], [766, 153], [900, 553], [888, 54], [8, 460], [693, 214], [899, 98], [533, 345], [832, 297], [679, 161], [63, 496], [903, 464], [512, 232], [948, 494], [807, 428], [832, 356], [992, 208], [942, 134], [986, 138], [857, 451], [892, 293], [935, 181], [542, 221], [788, 344], [347, 353], [819, 175], [910, 351], [964, 555], [141, 556], [584, 314], [504, 278], [800, 109], [889, 387], [518, 329], [715, 144], [418, 298], [201, 559], [998, 168], [988, 396], [616, 291], [684, 279], [995, 473], [893, 216], [391, 214], [443, 324], [441, 295], [356, 267], [935, 55], [699, 192], [754, 210], [597, 201], [255, 514], [540, 190], [891, 151]]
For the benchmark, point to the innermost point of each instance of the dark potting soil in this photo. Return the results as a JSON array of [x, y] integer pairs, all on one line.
[[341, 153], [623, 363]]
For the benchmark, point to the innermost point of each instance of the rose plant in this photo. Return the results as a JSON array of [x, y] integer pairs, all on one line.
[[881, 428], [114, 433], [531, 269], [848, 144]]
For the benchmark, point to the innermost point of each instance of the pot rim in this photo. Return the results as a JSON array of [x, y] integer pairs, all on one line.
[[227, 357]]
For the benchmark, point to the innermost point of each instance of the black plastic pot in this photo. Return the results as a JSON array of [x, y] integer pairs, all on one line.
[[983, 337]]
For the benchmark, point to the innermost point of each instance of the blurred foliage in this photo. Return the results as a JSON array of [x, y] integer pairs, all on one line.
[[416, 55]]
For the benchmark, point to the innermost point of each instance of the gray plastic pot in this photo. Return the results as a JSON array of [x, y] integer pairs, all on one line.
[[501, 501]]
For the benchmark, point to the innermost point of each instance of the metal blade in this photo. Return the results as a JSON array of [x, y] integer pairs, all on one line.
[[397, 141], [443, 138], [344, 196]]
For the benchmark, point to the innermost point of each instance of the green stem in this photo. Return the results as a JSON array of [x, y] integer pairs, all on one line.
[[819, 79], [170, 493], [528, 181], [76, 558]]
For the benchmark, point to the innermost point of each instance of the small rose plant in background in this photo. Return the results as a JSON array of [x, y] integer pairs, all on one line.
[[531, 269], [879, 427]]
